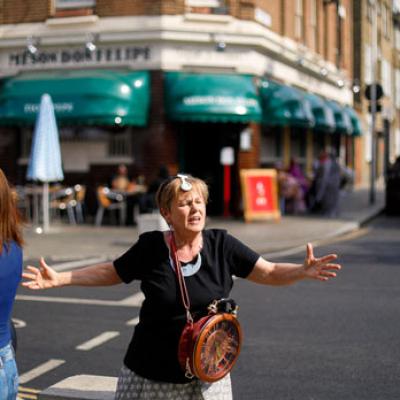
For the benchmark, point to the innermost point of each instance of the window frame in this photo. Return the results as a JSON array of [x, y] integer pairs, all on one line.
[[73, 4], [314, 24], [299, 20]]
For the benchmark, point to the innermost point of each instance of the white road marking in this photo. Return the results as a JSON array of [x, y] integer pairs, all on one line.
[[98, 340], [135, 300], [133, 322], [78, 263], [131, 301], [40, 370]]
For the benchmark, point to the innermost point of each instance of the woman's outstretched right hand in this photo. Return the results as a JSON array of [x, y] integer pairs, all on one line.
[[43, 277]]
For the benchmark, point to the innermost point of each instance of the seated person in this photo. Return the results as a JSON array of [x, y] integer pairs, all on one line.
[[121, 182]]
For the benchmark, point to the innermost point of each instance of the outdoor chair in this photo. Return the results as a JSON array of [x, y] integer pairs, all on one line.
[[78, 202], [110, 201], [62, 200], [23, 202]]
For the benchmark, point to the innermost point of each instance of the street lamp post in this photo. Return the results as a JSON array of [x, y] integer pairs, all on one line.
[[374, 48]]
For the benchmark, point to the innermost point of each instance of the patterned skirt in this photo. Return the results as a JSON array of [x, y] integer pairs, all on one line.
[[133, 387]]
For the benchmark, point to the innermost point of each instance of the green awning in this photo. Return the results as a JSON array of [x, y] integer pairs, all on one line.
[[355, 120], [81, 97], [323, 114], [211, 97], [342, 118], [285, 106]]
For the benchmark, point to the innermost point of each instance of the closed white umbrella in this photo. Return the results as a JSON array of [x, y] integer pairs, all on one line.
[[45, 160]]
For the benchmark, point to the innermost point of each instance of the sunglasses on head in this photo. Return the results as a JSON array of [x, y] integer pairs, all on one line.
[[185, 185]]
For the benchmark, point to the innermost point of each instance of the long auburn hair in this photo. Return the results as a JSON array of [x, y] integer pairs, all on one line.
[[10, 221]]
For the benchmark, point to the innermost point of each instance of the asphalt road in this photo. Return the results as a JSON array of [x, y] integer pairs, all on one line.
[[312, 340]]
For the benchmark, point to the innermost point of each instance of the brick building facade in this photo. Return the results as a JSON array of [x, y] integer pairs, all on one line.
[[303, 46]]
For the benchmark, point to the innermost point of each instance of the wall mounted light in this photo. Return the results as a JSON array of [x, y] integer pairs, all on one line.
[[220, 44], [31, 44], [90, 44], [301, 61], [246, 139], [356, 87], [323, 71]]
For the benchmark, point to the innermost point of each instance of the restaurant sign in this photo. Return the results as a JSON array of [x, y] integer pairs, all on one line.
[[74, 56], [33, 108]]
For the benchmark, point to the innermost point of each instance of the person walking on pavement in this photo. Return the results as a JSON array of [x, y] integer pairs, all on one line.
[[209, 259], [326, 185], [10, 276]]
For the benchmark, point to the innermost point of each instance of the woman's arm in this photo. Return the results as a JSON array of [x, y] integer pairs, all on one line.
[[269, 273], [46, 277]]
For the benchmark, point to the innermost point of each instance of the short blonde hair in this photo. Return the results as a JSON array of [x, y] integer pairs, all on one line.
[[171, 187]]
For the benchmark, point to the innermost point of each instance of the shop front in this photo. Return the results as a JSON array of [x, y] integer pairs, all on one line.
[[299, 124], [101, 115], [287, 119], [211, 113]]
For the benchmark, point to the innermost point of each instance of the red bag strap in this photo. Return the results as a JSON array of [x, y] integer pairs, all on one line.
[[180, 278]]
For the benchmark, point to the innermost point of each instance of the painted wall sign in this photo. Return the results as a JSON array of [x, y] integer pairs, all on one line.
[[260, 194], [50, 57]]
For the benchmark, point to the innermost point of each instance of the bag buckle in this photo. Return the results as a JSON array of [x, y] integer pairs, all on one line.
[[223, 306], [188, 372]]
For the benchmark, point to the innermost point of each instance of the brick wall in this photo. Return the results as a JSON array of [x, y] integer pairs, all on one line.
[[9, 154], [19, 11], [159, 147], [251, 159], [274, 10], [288, 18], [172, 7], [138, 7], [246, 9]]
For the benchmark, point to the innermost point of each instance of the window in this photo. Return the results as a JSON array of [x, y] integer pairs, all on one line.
[[67, 4], [396, 6], [369, 10], [386, 18], [386, 73], [368, 139], [397, 142], [207, 6], [389, 24], [314, 25], [397, 37], [367, 64], [119, 145], [26, 142], [271, 146], [397, 93], [298, 20], [298, 145]]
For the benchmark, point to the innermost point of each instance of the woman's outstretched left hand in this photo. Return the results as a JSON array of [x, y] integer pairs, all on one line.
[[321, 268]]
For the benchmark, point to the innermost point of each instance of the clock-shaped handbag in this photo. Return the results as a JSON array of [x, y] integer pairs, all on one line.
[[209, 347]]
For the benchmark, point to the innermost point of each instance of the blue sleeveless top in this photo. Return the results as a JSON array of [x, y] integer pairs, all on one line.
[[10, 276]]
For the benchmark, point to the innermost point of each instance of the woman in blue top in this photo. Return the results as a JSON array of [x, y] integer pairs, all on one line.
[[10, 276]]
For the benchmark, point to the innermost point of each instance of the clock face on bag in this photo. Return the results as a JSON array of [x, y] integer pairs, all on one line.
[[217, 348]]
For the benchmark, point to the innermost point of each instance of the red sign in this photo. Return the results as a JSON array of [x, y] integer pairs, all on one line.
[[259, 188]]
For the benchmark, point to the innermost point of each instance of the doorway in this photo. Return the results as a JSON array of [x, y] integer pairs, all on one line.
[[199, 150]]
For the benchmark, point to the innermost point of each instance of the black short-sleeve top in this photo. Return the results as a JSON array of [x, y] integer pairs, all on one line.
[[152, 352]]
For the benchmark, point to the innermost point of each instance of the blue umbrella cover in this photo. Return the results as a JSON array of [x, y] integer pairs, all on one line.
[[45, 160]]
